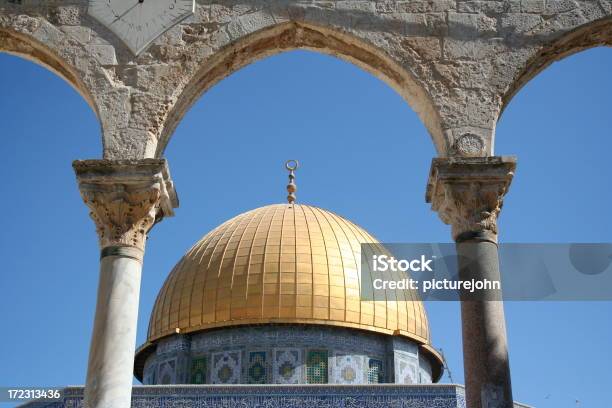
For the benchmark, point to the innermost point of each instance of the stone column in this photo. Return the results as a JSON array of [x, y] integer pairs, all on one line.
[[468, 194], [125, 199]]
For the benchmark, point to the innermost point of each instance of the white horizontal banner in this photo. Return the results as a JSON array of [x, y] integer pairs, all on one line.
[[434, 271]]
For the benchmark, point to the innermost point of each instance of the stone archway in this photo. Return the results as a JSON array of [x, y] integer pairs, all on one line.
[[21, 45], [457, 63], [595, 34], [293, 35]]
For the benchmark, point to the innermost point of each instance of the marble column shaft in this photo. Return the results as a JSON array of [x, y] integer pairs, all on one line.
[[125, 198], [468, 194]]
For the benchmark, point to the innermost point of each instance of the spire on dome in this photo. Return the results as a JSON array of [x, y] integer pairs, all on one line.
[[291, 165]]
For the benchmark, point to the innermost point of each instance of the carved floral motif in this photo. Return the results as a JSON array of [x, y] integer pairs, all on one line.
[[126, 198], [123, 215], [468, 193]]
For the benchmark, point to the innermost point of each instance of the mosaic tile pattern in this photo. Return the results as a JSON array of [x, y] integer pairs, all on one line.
[[278, 355], [284, 396], [424, 372], [257, 372], [198, 370], [406, 369], [289, 335], [173, 344], [226, 368], [404, 345], [167, 372], [348, 369], [151, 372], [316, 367], [375, 371], [287, 365]]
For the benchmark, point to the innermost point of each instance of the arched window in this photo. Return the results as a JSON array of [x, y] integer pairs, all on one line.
[[198, 370], [375, 371], [316, 367], [257, 371]]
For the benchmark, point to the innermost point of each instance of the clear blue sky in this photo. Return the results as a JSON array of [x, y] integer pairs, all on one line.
[[364, 155]]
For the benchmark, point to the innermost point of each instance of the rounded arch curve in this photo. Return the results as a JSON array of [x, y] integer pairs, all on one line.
[[26, 47], [594, 34], [293, 35]]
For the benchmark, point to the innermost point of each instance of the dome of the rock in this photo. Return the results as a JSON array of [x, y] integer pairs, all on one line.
[[273, 296]]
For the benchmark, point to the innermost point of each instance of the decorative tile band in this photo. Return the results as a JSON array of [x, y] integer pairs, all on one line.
[[286, 354], [272, 396], [291, 396]]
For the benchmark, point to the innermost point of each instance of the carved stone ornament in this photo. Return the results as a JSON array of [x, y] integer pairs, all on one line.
[[126, 198], [468, 193]]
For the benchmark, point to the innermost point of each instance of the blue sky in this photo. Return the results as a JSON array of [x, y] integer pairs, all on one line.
[[364, 155]]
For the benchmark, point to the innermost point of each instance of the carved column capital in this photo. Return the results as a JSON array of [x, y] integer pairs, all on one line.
[[126, 198], [468, 193]]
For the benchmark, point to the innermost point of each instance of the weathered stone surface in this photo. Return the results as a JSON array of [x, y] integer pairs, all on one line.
[[468, 193], [456, 62], [126, 198]]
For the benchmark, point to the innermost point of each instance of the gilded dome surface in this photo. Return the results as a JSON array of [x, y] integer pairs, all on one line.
[[281, 263]]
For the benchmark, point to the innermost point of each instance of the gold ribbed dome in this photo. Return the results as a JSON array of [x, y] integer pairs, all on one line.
[[280, 264]]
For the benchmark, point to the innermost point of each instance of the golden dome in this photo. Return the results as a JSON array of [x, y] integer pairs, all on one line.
[[281, 263]]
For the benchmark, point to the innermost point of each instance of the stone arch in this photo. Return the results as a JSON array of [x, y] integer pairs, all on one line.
[[299, 35], [24, 46], [594, 34], [60, 50]]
